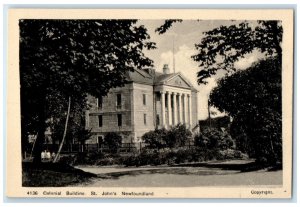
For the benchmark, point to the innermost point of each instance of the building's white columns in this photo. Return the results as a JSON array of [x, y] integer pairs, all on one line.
[[185, 108], [163, 118], [175, 107], [190, 111], [180, 108], [169, 109]]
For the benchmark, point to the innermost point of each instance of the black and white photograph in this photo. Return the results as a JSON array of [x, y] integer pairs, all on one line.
[[163, 102]]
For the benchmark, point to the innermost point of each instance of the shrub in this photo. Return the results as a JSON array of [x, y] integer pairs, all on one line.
[[214, 139], [155, 139], [177, 136], [67, 159], [88, 158], [113, 140]]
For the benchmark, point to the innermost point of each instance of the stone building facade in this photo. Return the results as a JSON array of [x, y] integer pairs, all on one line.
[[150, 100]]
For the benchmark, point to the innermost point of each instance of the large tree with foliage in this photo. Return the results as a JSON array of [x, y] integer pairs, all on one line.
[[224, 46], [63, 60], [253, 98], [221, 47]]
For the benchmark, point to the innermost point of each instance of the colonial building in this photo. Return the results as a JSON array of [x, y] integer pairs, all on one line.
[[150, 100]]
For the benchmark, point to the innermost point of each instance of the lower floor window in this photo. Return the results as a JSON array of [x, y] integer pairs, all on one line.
[[119, 119], [145, 119]]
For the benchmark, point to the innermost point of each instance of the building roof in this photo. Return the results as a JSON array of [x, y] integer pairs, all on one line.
[[151, 77], [160, 77], [140, 76]]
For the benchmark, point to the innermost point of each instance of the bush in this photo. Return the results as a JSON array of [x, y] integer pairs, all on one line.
[[214, 139], [155, 139], [177, 136], [88, 158], [67, 159], [113, 140], [182, 155]]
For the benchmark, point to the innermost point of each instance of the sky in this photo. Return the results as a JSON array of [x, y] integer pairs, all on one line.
[[185, 35]]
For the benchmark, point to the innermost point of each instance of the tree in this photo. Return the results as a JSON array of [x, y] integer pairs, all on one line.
[[68, 59], [113, 140], [253, 98], [223, 46]]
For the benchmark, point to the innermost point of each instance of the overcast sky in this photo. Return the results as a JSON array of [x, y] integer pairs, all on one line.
[[186, 35]]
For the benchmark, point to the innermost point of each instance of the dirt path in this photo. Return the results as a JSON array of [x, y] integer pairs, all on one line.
[[180, 176]]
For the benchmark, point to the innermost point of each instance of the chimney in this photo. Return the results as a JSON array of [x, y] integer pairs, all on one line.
[[166, 69]]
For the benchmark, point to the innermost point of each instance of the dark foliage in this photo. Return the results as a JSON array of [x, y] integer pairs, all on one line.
[[223, 46], [176, 136], [253, 98], [52, 175], [169, 156], [167, 24], [71, 58], [113, 140], [214, 139], [155, 139]]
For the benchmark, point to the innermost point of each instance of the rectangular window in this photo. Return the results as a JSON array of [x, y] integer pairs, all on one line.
[[100, 140], [145, 119], [144, 99], [119, 100], [99, 102], [100, 121], [119, 119]]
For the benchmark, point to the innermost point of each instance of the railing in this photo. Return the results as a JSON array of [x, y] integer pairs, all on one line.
[[69, 148]]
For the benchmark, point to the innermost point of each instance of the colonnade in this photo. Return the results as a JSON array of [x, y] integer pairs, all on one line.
[[178, 107]]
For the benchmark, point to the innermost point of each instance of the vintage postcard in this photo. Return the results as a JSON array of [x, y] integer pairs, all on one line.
[[143, 103]]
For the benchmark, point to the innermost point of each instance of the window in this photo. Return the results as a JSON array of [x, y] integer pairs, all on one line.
[[145, 119], [99, 102], [100, 140], [119, 100], [144, 99], [100, 121], [119, 119]]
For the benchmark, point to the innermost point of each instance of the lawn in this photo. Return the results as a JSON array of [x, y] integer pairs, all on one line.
[[52, 175]]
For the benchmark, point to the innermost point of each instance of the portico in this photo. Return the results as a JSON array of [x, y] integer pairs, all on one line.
[[173, 106]]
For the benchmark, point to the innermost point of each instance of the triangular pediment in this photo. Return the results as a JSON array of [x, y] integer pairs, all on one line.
[[178, 81]]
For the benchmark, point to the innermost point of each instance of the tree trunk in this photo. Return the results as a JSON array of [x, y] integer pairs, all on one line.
[[208, 110], [65, 132]]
